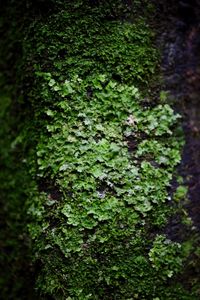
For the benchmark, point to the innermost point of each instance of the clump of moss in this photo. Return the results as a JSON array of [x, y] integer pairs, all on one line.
[[97, 162]]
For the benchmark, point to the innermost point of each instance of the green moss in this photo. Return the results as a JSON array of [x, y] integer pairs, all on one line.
[[96, 163]]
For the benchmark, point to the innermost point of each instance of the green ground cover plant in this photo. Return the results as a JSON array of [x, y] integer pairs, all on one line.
[[89, 165]]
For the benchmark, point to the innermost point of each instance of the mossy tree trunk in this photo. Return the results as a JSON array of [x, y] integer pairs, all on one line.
[[89, 151]]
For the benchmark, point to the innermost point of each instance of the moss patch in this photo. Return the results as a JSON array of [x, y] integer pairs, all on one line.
[[97, 158]]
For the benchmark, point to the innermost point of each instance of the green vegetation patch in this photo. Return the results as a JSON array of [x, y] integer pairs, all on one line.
[[100, 223], [98, 161]]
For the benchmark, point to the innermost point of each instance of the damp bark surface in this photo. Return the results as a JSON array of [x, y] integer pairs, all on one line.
[[180, 41]]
